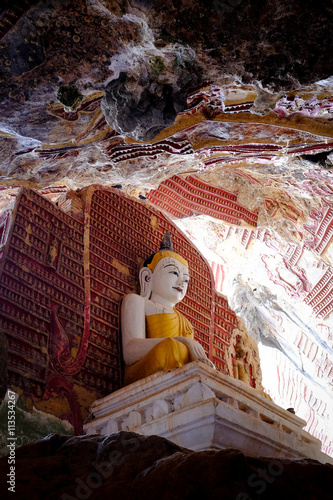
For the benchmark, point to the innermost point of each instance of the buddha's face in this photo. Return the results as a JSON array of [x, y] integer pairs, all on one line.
[[169, 281]]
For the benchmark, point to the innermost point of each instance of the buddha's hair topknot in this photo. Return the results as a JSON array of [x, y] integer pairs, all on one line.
[[166, 244]]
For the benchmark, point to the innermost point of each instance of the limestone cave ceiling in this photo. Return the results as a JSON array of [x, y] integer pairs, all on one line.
[[217, 112]]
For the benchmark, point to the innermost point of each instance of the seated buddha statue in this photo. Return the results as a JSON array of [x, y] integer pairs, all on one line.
[[155, 336]]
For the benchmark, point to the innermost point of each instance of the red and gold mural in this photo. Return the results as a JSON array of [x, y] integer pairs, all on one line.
[[62, 280]]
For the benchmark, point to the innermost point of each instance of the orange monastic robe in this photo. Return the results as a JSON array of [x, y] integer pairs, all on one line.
[[167, 354]]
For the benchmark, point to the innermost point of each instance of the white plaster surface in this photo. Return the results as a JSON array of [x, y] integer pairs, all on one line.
[[199, 408]]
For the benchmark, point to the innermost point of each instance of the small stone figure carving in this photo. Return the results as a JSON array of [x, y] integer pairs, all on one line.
[[53, 252], [242, 369], [155, 336]]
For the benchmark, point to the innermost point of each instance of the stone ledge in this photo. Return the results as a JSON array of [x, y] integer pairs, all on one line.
[[199, 408]]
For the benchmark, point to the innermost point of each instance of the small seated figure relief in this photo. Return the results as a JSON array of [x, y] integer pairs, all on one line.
[[155, 336]]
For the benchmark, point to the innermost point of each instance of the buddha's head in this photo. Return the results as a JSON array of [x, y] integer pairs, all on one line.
[[165, 276]]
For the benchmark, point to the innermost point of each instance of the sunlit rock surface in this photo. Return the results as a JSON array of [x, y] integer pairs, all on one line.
[[238, 95]]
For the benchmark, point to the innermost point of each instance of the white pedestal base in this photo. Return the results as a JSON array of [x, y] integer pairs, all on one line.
[[199, 408]]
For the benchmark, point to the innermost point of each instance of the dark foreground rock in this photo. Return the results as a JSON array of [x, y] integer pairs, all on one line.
[[129, 466]]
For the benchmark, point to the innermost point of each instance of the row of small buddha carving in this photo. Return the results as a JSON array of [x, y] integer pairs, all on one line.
[[207, 187], [23, 290], [23, 367], [114, 283], [325, 238], [74, 329], [205, 193], [112, 215], [35, 236], [97, 354], [126, 256], [222, 307], [62, 270], [196, 265], [168, 197], [328, 309], [223, 322], [27, 249], [27, 352], [203, 335], [131, 263], [91, 381], [219, 345], [187, 207], [222, 367], [105, 304], [128, 227], [127, 247], [122, 206], [77, 306], [26, 303], [72, 265], [102, 290], [100, 313], [35, 283], [322, 284], [50, 209], [106, 331], [219, 355], [23, 332], [163, 203], [129, 222], [325, 227], [225, 315], [222, 304], [322, 313], [200, 279], [35, 228], [205, 198], [204, 339], [31, 240], [105, 344], [322, 299], [200, 326], [110, 269], [195, 312], [201, 297], [124, 232], [71, 315], [68, 251], [20, 316], [100, 235], [97, 367], [222, 336], [194, 302], [16, 379], [41, 217], [322, 287], [106, 279], [225, 329], [107, 372], [125, 222]]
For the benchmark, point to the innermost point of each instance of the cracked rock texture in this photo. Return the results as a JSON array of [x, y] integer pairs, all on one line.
[[126, 465]]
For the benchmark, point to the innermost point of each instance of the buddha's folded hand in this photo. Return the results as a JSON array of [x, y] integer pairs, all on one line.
[[196, 350]]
